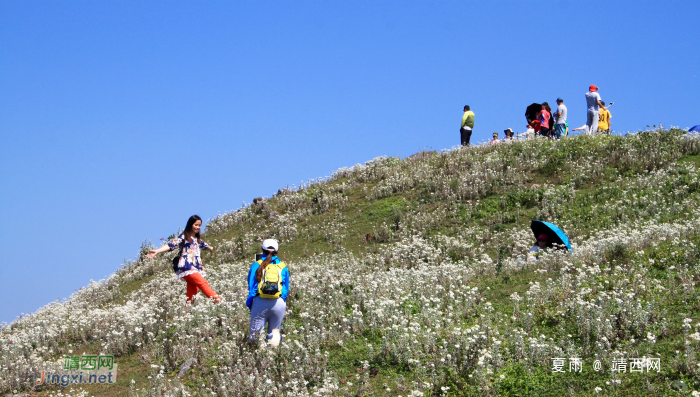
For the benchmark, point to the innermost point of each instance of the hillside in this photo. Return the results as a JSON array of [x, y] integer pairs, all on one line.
[[410, 277]]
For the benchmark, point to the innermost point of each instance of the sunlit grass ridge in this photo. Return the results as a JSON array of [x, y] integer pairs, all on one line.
[[409, 278]]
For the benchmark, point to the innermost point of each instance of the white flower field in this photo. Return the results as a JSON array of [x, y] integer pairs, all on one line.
[[410, 277]]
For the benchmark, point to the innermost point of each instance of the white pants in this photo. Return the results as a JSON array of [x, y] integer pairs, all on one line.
[[592, 122], [266, 311]]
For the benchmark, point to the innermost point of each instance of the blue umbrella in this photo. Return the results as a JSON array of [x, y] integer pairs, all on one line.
[[696, 129], [552, 231]]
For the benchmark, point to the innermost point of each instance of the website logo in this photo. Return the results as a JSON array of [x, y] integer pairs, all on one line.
[[87, 369]]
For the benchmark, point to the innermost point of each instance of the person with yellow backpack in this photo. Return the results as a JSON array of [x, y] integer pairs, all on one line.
[[268, 286]]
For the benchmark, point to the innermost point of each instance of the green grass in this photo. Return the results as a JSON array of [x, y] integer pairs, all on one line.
[[695, 160], [130, 367], [508, 207], [523, 380]]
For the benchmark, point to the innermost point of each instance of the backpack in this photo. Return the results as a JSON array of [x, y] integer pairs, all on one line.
[[270, 285], [176, 259]]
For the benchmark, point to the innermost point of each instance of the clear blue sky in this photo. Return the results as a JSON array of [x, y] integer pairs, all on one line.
[[121, 119]]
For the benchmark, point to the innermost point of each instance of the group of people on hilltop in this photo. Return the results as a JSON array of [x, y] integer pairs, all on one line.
[[545, 123], [542, 121], [268, 279]]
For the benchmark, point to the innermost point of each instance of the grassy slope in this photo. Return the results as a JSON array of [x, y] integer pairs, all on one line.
[[508, 208]]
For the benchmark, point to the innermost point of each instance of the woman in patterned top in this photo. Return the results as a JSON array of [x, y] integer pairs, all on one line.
[[190, 268]]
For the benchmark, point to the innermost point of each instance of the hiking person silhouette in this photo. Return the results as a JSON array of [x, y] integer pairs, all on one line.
[[189, 267], [268, 286]]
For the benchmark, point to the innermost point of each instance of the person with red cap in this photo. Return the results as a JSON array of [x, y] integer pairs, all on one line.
[[593, 102], [541, 244]]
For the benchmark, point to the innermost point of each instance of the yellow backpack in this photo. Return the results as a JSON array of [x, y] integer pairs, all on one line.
[[270, 285]]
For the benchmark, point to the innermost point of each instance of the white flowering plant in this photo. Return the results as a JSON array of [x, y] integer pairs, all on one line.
[[411, 277]]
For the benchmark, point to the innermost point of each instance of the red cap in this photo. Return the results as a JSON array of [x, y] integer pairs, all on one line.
[[593, 88], [543, 237]]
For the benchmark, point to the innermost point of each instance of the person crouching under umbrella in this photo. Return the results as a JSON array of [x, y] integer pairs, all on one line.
[[541, 244]]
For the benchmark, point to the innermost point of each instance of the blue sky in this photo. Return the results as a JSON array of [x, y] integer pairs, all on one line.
[[121, 119]]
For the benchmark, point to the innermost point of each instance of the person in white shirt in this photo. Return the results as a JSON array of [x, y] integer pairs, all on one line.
[[593, 102], [560, 126], [527, 134]]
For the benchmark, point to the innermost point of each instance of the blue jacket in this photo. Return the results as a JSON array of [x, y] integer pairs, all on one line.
[[253, 284]]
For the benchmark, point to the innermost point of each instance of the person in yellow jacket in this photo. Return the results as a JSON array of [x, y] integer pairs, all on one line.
[[604, 123], [467, 126]]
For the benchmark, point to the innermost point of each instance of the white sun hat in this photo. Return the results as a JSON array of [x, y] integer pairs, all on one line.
[[270, 245]]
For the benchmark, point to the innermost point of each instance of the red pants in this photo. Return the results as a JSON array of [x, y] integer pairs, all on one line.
[[196, 282]]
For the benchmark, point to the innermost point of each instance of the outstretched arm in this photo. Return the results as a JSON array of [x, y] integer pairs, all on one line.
[[168, 246], [206, 246], [153, 253]]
